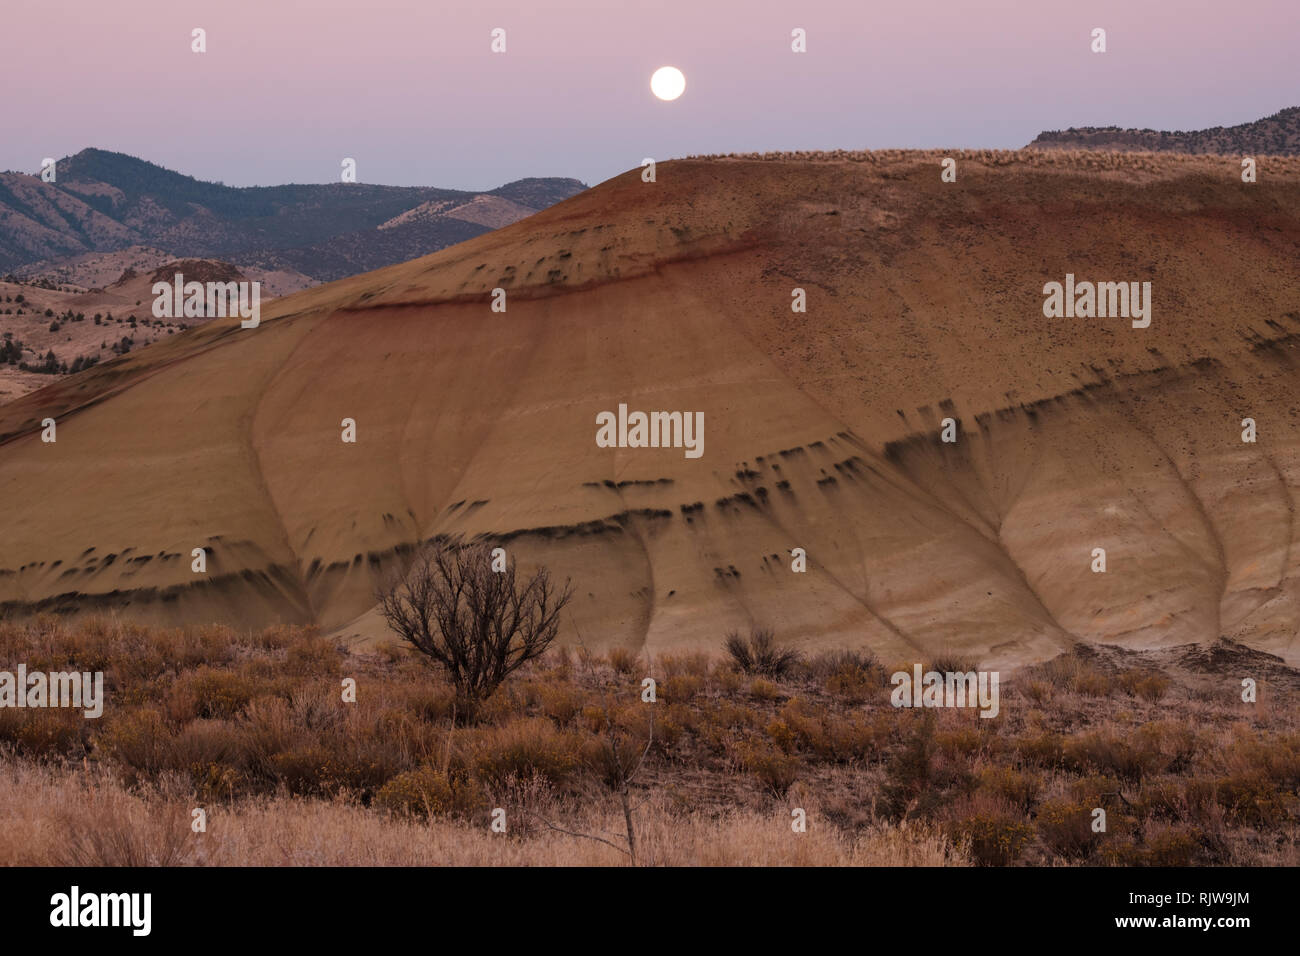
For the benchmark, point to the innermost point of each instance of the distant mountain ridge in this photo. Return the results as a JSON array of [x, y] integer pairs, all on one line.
[[104, 201], [1276, 135]]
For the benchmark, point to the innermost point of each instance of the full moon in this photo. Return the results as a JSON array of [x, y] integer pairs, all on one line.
[[667, 83]]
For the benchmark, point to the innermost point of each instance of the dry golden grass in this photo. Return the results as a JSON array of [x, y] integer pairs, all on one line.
[[253, 728], [1076, 160], [71, 817]]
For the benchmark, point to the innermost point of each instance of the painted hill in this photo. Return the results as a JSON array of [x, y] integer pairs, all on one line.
[[822, 431], [1276, 135], [103, 201]]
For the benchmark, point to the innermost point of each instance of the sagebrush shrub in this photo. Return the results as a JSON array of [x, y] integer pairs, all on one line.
[[760, 654]]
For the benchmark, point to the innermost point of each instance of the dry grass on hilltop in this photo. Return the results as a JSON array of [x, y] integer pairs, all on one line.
[[252, 727], [1076, 160]]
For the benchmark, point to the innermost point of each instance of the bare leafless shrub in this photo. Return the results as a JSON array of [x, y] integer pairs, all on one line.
[[478, 624]]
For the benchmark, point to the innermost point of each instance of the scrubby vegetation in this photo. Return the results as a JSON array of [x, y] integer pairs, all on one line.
[[254, 728], [760, 654], [1098, 161]]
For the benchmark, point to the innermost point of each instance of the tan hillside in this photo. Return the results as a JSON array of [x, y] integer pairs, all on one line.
[[821, 430], [96, 271], [94, 324], [483, 209]]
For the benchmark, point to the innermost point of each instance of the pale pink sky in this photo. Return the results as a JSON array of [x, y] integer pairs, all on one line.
[[410, 89]]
